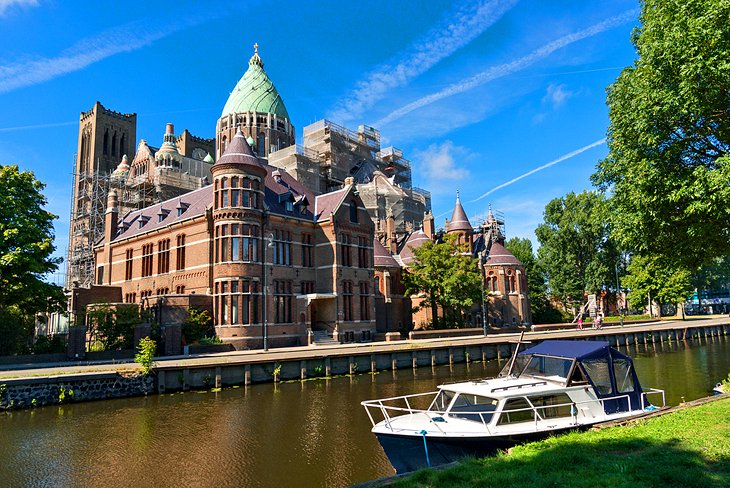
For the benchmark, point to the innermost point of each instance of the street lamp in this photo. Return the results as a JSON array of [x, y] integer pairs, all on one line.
[[482, 260], [618, 293], [269, 242]]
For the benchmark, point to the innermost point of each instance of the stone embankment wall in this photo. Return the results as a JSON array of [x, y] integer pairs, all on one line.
[[38, 391]]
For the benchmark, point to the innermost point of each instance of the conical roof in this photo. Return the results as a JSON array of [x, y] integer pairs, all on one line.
[[499, 255], [255, 92], [415, 240], [382, 257], [459, 221], [238, 152]]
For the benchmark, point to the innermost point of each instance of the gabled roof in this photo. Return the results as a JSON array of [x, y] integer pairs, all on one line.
[[498, 254], [326, 204], [382, 257], [415, 240], [193, 203]]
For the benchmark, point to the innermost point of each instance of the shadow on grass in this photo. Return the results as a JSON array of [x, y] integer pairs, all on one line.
[[568, 461]]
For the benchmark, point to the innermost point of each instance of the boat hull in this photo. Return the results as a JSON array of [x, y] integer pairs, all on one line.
[[407, 453]]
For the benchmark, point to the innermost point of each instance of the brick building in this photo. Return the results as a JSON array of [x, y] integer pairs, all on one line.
[[275, 260]]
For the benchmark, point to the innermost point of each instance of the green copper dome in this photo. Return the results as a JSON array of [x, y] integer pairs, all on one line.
[[255, 92]]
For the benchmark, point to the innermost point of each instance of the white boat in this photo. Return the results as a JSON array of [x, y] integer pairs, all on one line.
[[553, 387]]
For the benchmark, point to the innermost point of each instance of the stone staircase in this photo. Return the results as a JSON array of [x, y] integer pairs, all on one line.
[[323, 338]]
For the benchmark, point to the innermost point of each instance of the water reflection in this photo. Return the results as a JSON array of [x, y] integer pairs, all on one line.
[[312, 433]]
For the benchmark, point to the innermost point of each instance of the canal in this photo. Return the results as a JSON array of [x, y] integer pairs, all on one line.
[[312, 433]]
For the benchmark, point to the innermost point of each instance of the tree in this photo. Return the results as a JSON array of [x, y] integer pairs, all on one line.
[[540, 307], [576, 252], [26, 249], [448, 278], [668, 166], [650, 276]]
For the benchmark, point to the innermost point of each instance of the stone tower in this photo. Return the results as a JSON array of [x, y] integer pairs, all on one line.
[[238, 217], [105, 137], [256, 108]]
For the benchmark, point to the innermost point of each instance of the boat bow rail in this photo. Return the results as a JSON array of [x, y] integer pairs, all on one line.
[[393, 408]]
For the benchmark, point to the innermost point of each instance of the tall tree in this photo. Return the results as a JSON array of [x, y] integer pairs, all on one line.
[[576, 252], [26, 248], [668, 166], [651, 277], [448, 278], [540, 308]]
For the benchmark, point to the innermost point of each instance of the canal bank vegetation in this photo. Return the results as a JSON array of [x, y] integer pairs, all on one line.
[[689, 447]]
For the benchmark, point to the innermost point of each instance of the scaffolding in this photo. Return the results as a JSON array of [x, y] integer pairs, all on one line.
[[87, 218]]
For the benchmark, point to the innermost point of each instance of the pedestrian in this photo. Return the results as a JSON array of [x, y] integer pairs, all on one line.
[[598, 321], [580, 323]]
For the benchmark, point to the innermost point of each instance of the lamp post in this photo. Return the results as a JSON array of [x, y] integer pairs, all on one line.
[[618, 293], [268, 242], [484, 303]]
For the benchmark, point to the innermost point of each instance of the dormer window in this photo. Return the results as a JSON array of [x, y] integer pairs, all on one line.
[[181, 208], [143, 220], [289, 206], [162, 214]]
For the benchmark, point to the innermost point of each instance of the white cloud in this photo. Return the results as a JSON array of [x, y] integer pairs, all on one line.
[[124, 38], [556, 95], [507, 68], [5, 5], [439, 42], [439, 161]]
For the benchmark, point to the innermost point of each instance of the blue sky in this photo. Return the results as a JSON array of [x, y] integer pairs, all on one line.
[[503, 100]]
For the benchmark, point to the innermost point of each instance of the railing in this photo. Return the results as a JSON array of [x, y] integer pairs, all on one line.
[[435, 416]]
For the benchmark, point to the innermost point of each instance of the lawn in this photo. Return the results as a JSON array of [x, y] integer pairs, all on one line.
[[687, 448]]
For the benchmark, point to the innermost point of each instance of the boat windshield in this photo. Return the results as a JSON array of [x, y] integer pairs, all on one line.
[[473, 407], [442, 401], [546, 366]]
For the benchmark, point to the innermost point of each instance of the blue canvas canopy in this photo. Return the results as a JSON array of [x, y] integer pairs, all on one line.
[[610, 372]]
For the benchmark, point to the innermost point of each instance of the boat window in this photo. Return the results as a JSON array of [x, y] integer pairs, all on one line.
[[552, 406], [520, 363], [516, 410], [442, 401], [624, 378], [548, 366], [597, 370], [473, 407], [578, 378]]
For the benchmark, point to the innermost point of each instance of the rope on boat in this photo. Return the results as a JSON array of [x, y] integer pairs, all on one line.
[[425, 447]]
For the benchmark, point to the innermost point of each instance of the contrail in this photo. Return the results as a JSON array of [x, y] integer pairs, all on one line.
[[438, 43], [508, 68], [39, 126], [124, 38], [544, 166]]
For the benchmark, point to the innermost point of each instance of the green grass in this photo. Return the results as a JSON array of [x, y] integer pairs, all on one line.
[[688, 448], [616, 318]]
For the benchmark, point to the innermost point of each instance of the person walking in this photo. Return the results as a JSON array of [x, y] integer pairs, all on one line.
[[580, 323]]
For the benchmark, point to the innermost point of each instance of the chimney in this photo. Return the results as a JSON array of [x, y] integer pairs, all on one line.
[[428, 225], [390, 233], [111, 217]]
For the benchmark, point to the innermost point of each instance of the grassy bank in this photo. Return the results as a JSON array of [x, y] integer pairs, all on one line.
[[687, 448]]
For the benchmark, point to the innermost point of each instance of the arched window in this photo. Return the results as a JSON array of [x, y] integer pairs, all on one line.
[[114, 144], [123, 145], [492, 281], [223, 144]]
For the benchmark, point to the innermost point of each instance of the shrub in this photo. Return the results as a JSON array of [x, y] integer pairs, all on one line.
[[197, 325], [145, 354]]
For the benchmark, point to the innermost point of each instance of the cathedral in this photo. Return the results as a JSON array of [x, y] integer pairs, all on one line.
[[285, 243]]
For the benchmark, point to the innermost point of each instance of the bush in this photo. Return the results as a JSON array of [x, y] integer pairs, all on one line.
[[145, 354], [197, 325], [210, 340], [49, 345]]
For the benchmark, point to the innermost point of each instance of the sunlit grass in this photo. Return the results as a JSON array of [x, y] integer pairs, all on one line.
[[687, 448]]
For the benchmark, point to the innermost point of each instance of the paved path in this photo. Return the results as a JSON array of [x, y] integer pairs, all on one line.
[[313, 352]]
